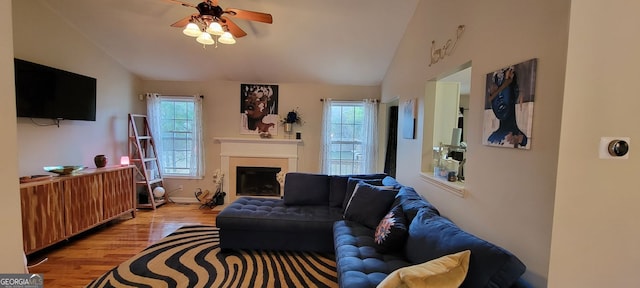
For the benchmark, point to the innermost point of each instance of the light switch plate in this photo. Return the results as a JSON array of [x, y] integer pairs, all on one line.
[[603, 151]]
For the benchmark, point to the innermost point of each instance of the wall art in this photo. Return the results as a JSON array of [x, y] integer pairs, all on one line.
[[259, 109], [508, 110], [409, 119]]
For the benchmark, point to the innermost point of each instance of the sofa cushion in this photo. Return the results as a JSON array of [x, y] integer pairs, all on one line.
[[445, 272], [358, 263], [338, 187], [369, 204], [267, 214], [391, 232], [306, 189], [351, 186], [431, 237], [412, 202]]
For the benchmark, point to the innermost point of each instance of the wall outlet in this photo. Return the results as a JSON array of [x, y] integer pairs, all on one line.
[[603, 150]]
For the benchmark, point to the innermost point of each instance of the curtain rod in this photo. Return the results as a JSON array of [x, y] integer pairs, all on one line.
[[201, 96], [377, 100]]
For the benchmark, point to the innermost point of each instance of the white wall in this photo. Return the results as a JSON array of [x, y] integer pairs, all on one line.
[[510, 192], [10, 219], [61, 46], [596, 233], [221, 108]]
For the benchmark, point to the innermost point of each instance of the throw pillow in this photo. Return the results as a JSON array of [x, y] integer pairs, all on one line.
[[391, 232], [445, 272], [369, 204], [351, 186], [338, 187]]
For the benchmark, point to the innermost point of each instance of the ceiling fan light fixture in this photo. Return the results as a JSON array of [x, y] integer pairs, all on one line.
[[227, 38], [205, 38], [215, 29], [192, 30]]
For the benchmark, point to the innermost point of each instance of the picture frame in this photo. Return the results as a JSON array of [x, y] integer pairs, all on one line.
[[259, 109], [409, 119], [509, 102]]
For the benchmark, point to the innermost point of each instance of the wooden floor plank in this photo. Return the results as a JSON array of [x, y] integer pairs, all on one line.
[[76, 262]]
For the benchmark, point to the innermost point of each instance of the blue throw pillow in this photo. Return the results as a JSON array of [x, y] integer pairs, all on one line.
[[351, 186], [306, 189], [391, 232], [369, 204], [338, 187], [431, 237]]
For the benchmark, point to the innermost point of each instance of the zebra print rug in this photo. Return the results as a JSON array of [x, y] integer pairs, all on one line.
[[191, 257]]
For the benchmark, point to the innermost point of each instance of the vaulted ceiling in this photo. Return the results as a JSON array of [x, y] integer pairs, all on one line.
[[344, 42]]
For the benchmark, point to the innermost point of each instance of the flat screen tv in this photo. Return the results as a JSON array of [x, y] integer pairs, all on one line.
[[47, 92]]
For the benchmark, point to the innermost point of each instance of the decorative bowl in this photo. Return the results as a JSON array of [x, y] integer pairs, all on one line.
[[63, 170]]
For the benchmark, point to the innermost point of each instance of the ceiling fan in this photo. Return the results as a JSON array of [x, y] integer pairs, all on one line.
[[209, 11]]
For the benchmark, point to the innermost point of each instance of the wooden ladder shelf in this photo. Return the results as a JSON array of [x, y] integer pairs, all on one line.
[[142, 154]]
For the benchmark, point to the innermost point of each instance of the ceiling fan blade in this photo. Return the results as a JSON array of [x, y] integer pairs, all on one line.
[[184, 21], [250, 15], [181, 3], [214, 2], [234, 29]]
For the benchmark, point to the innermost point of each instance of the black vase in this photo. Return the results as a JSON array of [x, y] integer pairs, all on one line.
[[100, 161]]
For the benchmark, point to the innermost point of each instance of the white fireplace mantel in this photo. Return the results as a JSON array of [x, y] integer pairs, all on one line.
[[256, 152], [259, 147], [257, 140]]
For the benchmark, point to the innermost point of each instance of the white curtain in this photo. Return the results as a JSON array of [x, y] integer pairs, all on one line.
[[154, 101], [370, 135], [153, 117], [325, 137], [197, 155]]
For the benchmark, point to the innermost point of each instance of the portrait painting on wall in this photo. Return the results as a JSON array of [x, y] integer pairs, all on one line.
[[259, 109], [508, 110], [409, 119]]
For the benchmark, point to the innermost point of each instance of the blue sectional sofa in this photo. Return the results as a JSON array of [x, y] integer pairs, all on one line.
[[342, 214]]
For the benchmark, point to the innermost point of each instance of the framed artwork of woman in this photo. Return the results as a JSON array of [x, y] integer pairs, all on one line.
[[508, 111]]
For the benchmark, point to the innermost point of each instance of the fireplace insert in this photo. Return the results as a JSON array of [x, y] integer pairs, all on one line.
[[257, 181]]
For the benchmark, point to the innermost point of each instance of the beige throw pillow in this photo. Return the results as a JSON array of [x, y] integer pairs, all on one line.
[[445, 272]]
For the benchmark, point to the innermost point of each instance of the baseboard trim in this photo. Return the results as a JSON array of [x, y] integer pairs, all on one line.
[[184, 200]]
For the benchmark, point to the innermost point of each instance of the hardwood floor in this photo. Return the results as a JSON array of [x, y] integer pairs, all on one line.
[[75, 263]]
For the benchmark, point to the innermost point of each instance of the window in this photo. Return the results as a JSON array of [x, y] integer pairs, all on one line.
[[178, 135], [349, 137]]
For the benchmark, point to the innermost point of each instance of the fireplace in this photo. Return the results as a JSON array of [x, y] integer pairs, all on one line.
[[255, 152], [257, 181]]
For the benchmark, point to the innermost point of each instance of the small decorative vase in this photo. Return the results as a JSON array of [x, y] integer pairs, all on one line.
[[287, 127], [100, 161]]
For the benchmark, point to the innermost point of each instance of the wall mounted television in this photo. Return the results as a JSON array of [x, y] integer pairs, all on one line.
[[47, 92]]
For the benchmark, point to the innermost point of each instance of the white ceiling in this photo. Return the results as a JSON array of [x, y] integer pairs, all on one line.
[[346, 42]]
